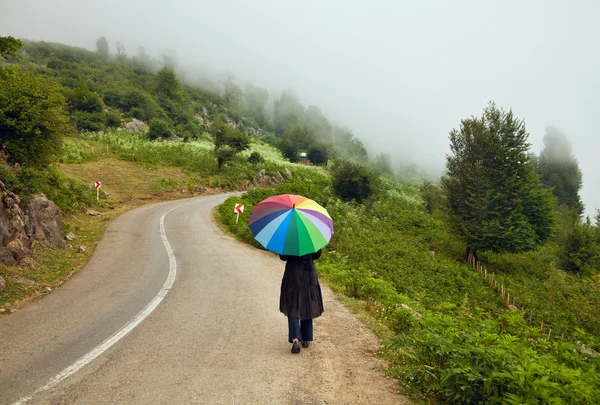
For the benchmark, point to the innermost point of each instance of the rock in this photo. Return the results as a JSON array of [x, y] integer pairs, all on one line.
[[23, 280], [279, 178], [416, 314], [70, 236], [136, 125], [288, 173], [103, 194], [81, 249], [69, 246], [201, 190], [588, 351], [2, 284], [43, 224], [89, 186], [92, 213]]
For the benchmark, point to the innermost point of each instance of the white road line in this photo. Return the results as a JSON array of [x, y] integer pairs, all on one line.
[[139, 318]]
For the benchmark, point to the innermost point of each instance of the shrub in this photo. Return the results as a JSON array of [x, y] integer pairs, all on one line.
[[112, 119], [86, 100], [88, 121], [352, 181], [33, 117], [256, 158], [159, 128]]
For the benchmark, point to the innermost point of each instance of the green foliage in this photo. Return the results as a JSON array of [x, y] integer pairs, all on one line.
[[88, 121], [9, 46], [353, 182], [498, 201], [465, 360], [347, 146], [581, 253], [231, 92], [559, 170], [85, 100], [319, 154], [228, 142], [383, 163], [433, 196], [112, 119], [256, 158], [33, 118], [255, 101], [294, 140], [159, 129], [69, 195], [287, 109], [102, 46]]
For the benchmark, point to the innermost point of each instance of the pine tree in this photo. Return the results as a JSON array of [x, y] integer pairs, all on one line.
[[559, 170], [497, 199]]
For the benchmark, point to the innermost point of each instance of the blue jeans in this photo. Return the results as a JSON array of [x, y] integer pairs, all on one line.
[[301, 330]]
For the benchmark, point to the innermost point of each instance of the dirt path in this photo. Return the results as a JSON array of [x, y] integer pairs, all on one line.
[[216, 338]]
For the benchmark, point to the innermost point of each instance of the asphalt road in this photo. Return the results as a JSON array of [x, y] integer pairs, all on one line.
[[197, 325]]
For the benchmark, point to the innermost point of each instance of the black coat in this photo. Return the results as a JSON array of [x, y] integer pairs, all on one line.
[[300, 290]]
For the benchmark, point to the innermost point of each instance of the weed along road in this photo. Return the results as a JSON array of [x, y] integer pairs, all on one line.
[[170, 310]]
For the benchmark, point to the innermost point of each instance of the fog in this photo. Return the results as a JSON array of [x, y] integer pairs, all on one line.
[[400, 74]]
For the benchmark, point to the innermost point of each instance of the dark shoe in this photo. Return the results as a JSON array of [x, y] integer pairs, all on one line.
[[305, 344], [296, 347]]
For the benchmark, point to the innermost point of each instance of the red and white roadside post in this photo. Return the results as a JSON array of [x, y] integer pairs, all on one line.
[[98, 185], [239, 209]]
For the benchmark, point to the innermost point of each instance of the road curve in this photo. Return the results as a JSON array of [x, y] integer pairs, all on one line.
[[217, 337]]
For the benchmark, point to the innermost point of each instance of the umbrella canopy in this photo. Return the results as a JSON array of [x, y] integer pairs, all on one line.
[[291, 225]]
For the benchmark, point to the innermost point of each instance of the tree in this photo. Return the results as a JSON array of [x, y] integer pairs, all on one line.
[[144, 60], [159, 129], [229, 142], [169, 57], [294, 140], [102, 46], [319, 154], [347, 146], [121, 52], [255, 101], [85, 100], [353, 182], [9, 46], [384, 163], [559, 170], [231, 92], [580, 251], [497, 200], [286, 110], [33, 118]]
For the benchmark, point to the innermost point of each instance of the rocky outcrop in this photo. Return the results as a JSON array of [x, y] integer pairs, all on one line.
[[136, 125], [262, 179], [22, 230]]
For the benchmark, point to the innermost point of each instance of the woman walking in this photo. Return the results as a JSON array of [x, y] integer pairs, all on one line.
[[300, 298]]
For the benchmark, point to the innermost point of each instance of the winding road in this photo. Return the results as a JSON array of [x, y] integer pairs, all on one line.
[[170, 310]]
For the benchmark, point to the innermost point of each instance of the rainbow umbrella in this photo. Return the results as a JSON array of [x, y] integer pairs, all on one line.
[[291, 225]]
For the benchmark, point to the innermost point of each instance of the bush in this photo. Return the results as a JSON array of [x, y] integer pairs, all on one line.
[[112, 119], [86, 100], [256, 158], [354, 182], [33, 117], [159, 128], [88, 121]]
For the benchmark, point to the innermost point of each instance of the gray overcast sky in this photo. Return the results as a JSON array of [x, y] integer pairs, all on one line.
[[401, 74]]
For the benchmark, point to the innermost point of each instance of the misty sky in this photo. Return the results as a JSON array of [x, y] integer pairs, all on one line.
[[401, 74]]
